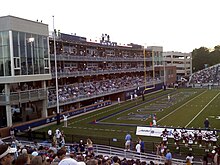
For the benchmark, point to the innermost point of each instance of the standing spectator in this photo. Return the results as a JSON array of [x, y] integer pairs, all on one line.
[[29, 132], [12, 132], [50, 134], [138, 147], [190, 157], [127, 142], [65, 120], [81, 147], [62, 139], [89, 146], [206, 123], [141, 143], [168, 157]]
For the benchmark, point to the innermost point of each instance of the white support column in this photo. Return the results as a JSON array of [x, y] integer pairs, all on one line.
[[44, 102], [8, 106], [11, 52]]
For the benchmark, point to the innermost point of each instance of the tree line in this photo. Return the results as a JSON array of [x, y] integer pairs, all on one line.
[[204, 57]]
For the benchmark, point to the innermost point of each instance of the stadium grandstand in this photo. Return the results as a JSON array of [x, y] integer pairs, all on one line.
[[88, 73], [208, 77]]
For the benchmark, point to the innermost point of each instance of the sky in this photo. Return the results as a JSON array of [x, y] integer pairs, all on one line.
[[177, 25]]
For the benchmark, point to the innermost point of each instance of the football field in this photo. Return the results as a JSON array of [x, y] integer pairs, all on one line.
[[186, 108]]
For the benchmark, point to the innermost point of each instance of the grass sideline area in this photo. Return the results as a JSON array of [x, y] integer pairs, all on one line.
[[186, 108]]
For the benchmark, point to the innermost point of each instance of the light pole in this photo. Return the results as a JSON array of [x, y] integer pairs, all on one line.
[[164, 73], [55, 58]]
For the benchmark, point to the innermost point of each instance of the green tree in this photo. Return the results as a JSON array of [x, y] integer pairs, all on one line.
[[200, 57]]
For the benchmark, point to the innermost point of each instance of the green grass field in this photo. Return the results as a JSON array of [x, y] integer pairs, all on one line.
[[187, 108]]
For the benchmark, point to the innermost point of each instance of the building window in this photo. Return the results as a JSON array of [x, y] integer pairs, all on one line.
[[17, 63]]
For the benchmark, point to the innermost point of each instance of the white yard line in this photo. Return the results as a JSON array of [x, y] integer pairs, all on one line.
[[180, 107], [201, 110]]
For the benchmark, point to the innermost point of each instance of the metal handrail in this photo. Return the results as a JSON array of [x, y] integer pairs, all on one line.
[[23, 96]]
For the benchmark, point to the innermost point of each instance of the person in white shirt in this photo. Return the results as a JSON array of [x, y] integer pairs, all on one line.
[[131, 97], [65, 120], [168, 97], [138, 147], [50, 134], [119, 100], [190, 158]]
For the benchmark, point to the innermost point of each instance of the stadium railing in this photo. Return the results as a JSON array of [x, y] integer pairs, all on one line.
[[110, 151]]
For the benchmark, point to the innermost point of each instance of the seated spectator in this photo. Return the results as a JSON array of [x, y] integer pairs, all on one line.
[[6, 154]]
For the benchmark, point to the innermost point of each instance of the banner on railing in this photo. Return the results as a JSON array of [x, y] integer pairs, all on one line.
[[152, 131], [157, 131]]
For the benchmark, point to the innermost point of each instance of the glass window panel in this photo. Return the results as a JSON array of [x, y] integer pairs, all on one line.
[[45, 46], [41, 53], [16, 62], [23, 66], [15, 44], [40, 41], [7, 63], [46, 63], [29, 43], [5, 38], [17, 72], [42, 66], [36, 61], [1, 66], [46, 71]]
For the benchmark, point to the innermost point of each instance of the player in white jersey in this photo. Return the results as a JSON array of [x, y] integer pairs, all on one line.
[[195, 134], [176, 137], [164, 136], [207, 140], [190, 140], [182, 131], [168, 98], [186, 137], [214, 138], [199, 137]]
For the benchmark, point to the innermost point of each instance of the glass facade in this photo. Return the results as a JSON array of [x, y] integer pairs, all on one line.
[[30, 54]]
